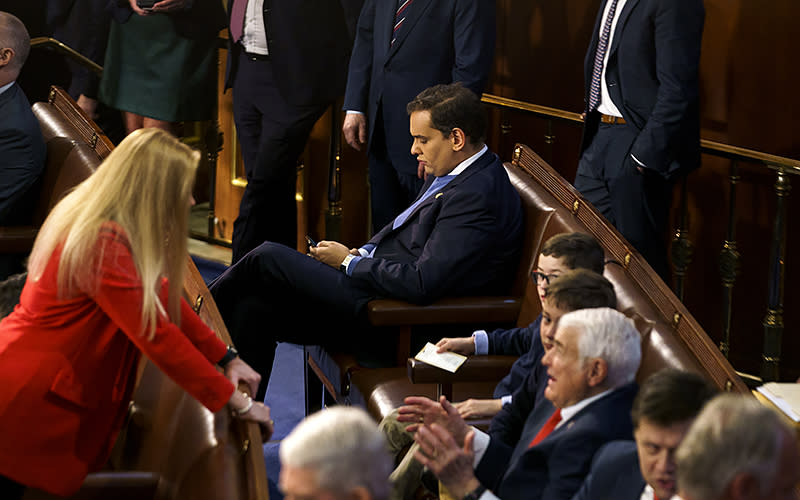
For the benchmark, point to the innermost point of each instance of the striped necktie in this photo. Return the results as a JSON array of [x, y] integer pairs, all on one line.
[[547, 428], [399, 17], [602, 45], [237, 19]]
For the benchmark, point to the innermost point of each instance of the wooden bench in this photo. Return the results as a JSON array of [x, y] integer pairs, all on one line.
[[671, 337]]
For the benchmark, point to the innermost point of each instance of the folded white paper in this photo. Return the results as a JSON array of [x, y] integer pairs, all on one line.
[[785, 396], [449, 361]]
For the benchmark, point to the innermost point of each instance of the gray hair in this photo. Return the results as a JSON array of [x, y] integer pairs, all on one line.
[[610, 335], [14, 35], [733, 434], [345, 449]]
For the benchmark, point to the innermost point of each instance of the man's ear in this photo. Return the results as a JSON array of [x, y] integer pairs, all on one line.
[[597, 371], [458, 138], [743, 486], [360, 493], [6, 56]]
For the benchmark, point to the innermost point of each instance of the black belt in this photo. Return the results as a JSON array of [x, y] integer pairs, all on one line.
[[256, 57]]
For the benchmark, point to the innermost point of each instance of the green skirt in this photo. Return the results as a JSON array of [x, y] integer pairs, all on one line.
[[151, 71]]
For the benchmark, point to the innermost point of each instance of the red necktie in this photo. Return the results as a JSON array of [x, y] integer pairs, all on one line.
[[547, 428], [237, 19]]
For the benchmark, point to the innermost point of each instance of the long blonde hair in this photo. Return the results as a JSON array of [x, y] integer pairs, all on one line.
[[144, 186]]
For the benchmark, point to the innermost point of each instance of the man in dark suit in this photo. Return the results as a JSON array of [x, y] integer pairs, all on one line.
[[662, 412], [540, 451], [286, 65], [460, 237], [402, 47], [22, 149], [642, 115]]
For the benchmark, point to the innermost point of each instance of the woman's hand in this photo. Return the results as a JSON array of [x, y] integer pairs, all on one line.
[[245, 408], [170, 5], [238, 371], [136, 8]]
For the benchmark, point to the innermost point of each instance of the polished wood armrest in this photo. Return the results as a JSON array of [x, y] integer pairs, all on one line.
[[474, 369], [17, 239], [459, 310]]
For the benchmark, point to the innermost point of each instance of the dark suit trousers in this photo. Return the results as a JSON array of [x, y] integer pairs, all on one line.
[[272, 133], [636, 203], [276, 294], [391, 191]]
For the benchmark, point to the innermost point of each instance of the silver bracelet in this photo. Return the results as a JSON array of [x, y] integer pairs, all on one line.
[[247, 407]]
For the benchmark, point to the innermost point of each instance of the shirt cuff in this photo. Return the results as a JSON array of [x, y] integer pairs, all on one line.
[[366, 250], [353, 112], [352, 264], [481, 339], [506, 400], [479, 446]]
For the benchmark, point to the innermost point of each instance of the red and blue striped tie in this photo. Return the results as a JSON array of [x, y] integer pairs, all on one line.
[[602, 45], [399, 17]]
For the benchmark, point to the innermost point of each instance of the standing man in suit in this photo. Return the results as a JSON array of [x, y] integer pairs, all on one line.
[[401, 48], [642, 125], [645, 469], [460, 237], [22, 149], [286, 65], [738, 449], [544, 450]]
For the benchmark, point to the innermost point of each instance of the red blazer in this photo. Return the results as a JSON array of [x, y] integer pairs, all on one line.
[[68, 366]]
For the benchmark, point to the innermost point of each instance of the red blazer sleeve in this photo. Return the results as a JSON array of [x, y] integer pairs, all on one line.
[[185, 356]]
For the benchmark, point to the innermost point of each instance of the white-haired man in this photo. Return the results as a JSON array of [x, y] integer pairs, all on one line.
[[541, 449], [738, 449], [335, 454]]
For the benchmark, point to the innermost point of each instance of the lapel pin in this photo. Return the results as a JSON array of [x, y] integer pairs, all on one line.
[[437, 195]]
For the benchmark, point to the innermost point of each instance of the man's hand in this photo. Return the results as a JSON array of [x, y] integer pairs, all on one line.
[[329, 252], [477, 408], [461, 345], [136, 8], [421, 173], [452, 464], [238, 371], [355, 130], [420, 410]]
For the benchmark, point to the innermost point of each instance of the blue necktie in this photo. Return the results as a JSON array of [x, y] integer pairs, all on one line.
[[437, 184]]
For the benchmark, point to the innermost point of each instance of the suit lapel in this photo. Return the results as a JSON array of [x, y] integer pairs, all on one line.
[[414, 12], [623, 18]]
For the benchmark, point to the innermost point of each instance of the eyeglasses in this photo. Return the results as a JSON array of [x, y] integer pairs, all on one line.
[[542, 279]]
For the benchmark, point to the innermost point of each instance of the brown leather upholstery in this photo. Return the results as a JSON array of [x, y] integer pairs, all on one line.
[[61, 116], [670, 335], [68, 163]]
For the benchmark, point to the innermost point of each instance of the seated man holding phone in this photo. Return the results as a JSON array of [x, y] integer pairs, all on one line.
[[461, 236]]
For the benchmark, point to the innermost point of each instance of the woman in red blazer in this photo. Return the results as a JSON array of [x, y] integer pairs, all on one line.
[[103, 287]]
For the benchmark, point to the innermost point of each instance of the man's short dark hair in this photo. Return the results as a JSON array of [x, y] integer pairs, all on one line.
[[579, 250], [670, 397], [452, 106], [581, 289], [14, 35]]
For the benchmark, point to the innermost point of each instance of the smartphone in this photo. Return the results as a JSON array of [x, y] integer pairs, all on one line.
[[311, 242], [145, 4]]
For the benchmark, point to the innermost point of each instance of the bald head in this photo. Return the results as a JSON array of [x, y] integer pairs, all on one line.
[[15, 43]]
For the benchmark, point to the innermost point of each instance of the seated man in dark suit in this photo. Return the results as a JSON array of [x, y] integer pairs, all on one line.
[[645, 469], [22, 149], [541, 450], [460, 237]]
